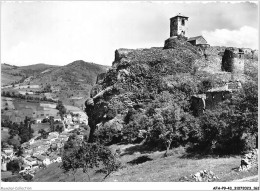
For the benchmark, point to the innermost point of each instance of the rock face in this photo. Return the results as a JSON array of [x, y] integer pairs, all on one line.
[[249, 160]]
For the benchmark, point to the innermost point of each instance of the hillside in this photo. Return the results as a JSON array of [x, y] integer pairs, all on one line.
[[14, 74], [72, 82]]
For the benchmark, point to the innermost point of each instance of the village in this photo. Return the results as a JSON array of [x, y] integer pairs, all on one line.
[[39, 152]]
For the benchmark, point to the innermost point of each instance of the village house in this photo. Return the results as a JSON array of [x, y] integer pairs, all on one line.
[[31, 141], [55, 88], [24, 168], [30, 161], [25, 155], [4, 162], [54, 134], [57, 119], [43, 160], [8, 150]]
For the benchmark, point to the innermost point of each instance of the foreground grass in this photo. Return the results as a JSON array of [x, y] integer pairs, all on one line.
[[172, 168], [153, 167]]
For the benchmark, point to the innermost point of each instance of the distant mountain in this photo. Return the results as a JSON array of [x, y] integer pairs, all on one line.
[[37, 67]]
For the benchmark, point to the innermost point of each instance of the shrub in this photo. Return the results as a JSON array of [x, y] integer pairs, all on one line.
[[87, 156]]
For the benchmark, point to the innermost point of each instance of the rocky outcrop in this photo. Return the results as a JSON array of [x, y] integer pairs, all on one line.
[[135, 77], [249, 160], [138, 75], [201, 176]]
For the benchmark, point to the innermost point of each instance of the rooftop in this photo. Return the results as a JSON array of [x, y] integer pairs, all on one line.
[[195, 38], [180, 15]]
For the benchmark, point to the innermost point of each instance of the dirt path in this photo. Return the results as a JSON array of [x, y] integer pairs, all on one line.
[[247, 179]]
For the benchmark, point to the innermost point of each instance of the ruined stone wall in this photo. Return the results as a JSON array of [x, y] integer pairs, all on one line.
[[250, 54], [213, 98], [233, 61], [215, 50]]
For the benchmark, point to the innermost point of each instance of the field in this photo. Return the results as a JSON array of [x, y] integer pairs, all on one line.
[[17, 109], [4, 135], [36, 127], [7, 103]]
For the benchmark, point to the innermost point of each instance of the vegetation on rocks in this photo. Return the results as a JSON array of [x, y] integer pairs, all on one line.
[[151, 90]]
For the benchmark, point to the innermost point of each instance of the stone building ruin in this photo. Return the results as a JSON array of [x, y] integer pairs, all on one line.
[[233, 61]]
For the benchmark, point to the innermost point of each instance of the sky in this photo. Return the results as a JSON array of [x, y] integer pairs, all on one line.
[[61, 32]]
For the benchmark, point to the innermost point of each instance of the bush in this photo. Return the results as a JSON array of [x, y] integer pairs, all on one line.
[[107, 135], [87, 156], [13, 166]]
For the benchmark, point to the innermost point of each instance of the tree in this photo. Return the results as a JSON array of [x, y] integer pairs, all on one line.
[[25, 130], [13, 166], [43, 133], [15, 142], [19, 151], [59, 128], [51, 120], [61, 108], [86, 156]]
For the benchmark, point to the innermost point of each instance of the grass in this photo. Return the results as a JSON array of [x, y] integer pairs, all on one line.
[[54, 173], [172, 168], [4, 136], [151, 166]]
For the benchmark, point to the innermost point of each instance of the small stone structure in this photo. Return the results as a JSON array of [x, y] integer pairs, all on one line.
[[198, 41], [213, 97], [217, 95]]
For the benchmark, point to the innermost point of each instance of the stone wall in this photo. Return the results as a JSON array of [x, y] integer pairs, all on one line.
[[233, 61], [209, 100], [213, 98]]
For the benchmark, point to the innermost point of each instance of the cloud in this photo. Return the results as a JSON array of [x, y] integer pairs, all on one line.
[[245, 37]]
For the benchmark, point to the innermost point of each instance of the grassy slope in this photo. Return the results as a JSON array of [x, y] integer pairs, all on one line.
[[157, 169], [7, 79], [4, 136], [75, 79], [8, 71]]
